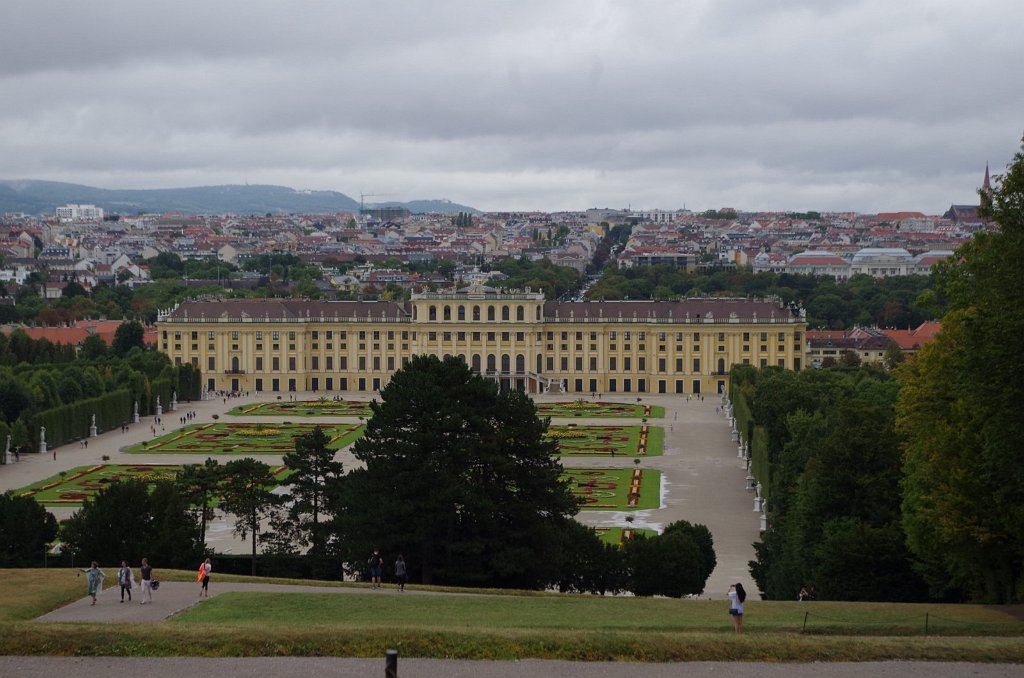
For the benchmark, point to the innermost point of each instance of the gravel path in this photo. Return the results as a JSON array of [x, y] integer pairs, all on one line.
[[173, 597], [317, 667]]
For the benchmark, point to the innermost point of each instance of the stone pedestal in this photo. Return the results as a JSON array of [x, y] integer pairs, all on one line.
[[135, 413]]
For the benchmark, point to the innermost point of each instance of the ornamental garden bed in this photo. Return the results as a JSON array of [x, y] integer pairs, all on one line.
[[243, 439], [620, 535], [608, 441], [84, 482], [615, 489], [588, 408], [324, 407]]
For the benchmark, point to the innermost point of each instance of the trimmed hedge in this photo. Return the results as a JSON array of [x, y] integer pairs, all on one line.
[[289, 566], [755, 436], [71, 422]]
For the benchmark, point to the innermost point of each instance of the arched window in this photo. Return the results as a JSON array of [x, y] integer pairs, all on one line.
[[504, 312], [490, 362], [462, 313], [414, 312], [446, 356], [234, 364], [476, 362], [432, 314], [538, 313], [490, 313], [447, 312], [476, 313], [721, 365], [520, 363], [506, 363], [462, 358], [540, 363], [520, 313]]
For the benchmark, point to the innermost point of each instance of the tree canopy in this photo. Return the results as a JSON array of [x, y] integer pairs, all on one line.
[[459, 478], [963, 507]]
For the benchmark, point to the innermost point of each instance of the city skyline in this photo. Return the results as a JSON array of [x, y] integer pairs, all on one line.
[[858, 106]]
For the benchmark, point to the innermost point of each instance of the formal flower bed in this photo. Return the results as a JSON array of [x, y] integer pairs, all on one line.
[[75, 486], [608, 441], [258, 432], [625, 489], [324, 407], [243, 439], [587, 408]]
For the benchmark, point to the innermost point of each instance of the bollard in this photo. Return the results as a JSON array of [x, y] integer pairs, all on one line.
[[391, 664]]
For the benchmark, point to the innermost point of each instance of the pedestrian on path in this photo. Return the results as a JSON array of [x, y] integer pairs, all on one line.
[[94, 579], [375, 561], [125, 578], [203, 577], [147, 582], [401, 574]]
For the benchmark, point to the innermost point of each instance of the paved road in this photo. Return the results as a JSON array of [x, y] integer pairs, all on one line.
[[318, 667]]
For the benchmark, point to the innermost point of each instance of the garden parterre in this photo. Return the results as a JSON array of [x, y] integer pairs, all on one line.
[[73, 487], [243, 439], [589, 408], [305, 408], [608, 441], [615, 489]]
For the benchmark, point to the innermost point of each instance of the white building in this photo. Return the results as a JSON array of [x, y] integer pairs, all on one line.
[[80, 213]]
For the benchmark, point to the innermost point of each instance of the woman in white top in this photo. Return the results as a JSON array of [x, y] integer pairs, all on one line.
[[736, 597]]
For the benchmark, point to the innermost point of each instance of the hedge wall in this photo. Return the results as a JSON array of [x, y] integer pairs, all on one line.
[[71, 422], [294, 567], [755, 436]]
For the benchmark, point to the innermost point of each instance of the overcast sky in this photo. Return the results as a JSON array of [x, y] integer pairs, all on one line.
[[522, 105]]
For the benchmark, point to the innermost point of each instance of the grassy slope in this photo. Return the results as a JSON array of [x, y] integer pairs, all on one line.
[[504, 626]]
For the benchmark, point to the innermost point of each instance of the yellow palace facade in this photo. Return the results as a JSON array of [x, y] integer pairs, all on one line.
[[514, 337]]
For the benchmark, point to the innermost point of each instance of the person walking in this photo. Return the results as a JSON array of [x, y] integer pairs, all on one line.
[[401, 574], [94, 580], [146, 573], [203, 577], [375, 561], [736, 597], [125, 578]]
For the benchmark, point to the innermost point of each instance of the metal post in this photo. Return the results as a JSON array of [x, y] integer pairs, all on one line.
[[804, 629], [391, 664], [926, 623]]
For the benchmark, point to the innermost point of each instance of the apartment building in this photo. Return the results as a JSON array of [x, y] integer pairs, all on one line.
[[515, 337]]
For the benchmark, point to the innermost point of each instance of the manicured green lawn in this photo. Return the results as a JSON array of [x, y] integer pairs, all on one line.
[[582, 614], [608, 441], [83, 482], [610, 489], [305, 408], [617, 535], [243, 439], [589, 408], [509, 625]]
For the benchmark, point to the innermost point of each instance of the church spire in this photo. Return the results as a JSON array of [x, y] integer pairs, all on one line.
[[986, 191]]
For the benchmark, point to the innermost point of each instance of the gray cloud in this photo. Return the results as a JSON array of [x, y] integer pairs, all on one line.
[[530, 105]]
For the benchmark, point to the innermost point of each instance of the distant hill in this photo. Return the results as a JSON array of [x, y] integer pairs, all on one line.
[[43, 197]]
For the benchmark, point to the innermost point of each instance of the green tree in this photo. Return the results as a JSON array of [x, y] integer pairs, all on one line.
[[132, 519], [675, 563], [314, 481], [93, 347], [198, 484], [127, 336], [460, 478], [246, 493], [25, 530], [963, 506]]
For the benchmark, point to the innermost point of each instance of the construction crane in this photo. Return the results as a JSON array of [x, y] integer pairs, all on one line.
[[364, 196]]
